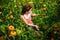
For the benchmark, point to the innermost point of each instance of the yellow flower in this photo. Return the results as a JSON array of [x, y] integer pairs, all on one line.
[[31, 3], [18, 31], [44, 5], [15, 6], [13, 33], [1, 20]]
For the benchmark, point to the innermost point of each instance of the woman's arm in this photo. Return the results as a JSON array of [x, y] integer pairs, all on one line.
[[24, 19], [33, 14]]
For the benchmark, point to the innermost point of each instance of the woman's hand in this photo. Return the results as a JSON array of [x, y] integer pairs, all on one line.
[[33, 14], [31, 24], [38, 14]]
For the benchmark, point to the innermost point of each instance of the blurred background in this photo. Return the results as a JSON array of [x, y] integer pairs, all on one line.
[[13, 28]]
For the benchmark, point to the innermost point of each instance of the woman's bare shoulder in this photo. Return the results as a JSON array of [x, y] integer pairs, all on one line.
[[21, 16]]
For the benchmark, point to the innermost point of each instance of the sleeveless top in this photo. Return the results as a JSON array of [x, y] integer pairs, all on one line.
[[28, 18]]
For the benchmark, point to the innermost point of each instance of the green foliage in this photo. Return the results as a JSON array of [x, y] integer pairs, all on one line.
[[45, 23]]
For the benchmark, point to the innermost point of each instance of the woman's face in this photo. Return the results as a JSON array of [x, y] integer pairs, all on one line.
[[30, 11]]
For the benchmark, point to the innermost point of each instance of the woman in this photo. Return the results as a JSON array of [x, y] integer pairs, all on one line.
[[27, 17]]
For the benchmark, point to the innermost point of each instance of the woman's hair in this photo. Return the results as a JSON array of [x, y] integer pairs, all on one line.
[[26, 8]]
